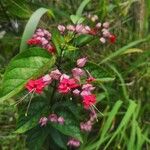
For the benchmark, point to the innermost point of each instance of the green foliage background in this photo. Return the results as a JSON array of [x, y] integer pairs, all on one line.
[[125, 101]]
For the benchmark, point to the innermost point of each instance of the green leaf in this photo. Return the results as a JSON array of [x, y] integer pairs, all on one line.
[[71, 48], [108, 122], [25, 66], [81, 7], [58, 41], [101, 80], [97, 71], [19, 8], [133, 50], [32, 25], [36, 137], [124, 122], [83, 40], [58, 138], [38, 107], [122, 50], [76, 19], [70, 127]]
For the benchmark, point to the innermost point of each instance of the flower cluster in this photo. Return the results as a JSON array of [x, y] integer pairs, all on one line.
[[72, 142], [42, 38], [101, 30], [87, 126], [52, 118], [68, 84]]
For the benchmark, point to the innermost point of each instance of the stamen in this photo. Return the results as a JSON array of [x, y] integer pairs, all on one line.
[[18, 102], [26, 114]]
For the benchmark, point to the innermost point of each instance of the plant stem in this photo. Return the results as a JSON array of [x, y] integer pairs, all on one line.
[[54, 88]]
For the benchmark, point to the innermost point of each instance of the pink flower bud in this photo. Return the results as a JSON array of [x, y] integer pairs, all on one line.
[[61, 120], [43, 121], [78, 72], [84, 93], [47, 79], [94, 18], [102, 40], [61, 28], [87, 28], [70, 28], [41, 34], [55, 74], [64, 76], [81, 62], [76, 92], [73, 142], [88, 87], [79, 28], [44, 41], [87, 126], [106, 25], [93, 115], [98, 25], [106, 33], [53, 118]]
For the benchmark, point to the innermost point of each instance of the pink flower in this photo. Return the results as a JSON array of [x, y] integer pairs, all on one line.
[[77, 72], [53, 118], [33, 42], [103, 40], [35, 85], [62, 88], [81, 62], [61, 120], [112, 38], [43, 121], [90, 79], [70, 28], [89, 100], [73, 142], [50, 48], [55, 74], [42, 38], [87, 126], [88, 87], [106, 24], [76, 92], [66, 85], [72, 83], [61, 28]]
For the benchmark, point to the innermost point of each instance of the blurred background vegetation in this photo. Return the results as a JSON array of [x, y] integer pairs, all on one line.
[[130, 21]]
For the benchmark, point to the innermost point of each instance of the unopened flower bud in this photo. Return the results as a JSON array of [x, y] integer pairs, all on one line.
[[98, 25], [81, 62], [53, 118], [61, 120], [61, 28], [106, 25], [43, 121], [102, 40]]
